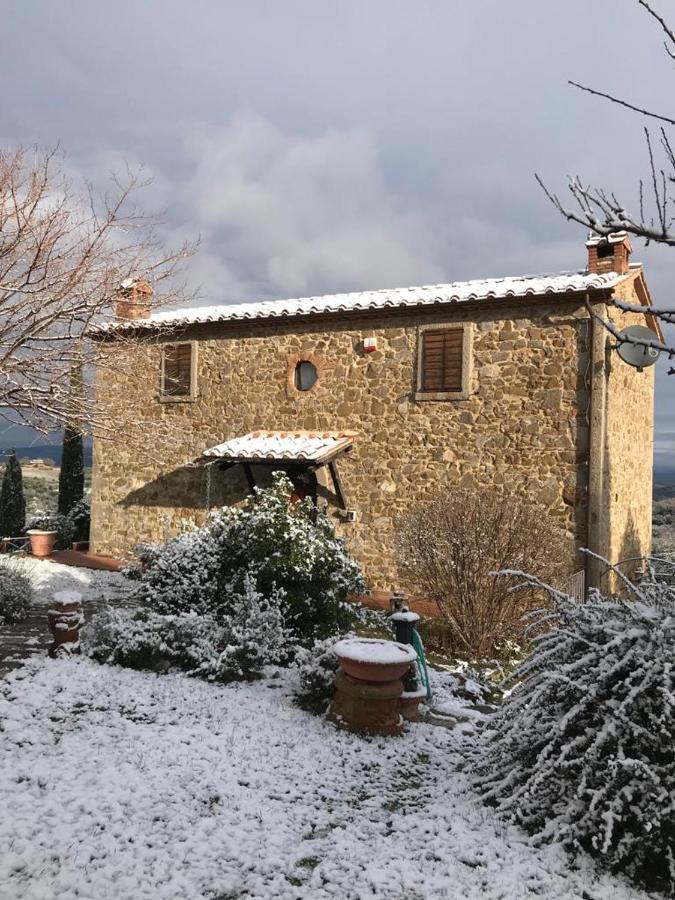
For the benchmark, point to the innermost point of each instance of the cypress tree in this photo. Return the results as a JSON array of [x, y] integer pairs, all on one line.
[[12, 500], [71, 476]]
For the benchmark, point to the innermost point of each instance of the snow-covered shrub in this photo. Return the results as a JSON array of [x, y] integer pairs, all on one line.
[[317, 666], [79, 519], [450, 546], [181, 576], [252, 637], [582, 751], [16, 594], [289, 550]]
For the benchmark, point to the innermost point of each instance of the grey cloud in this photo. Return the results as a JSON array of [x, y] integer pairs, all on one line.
[[343, 145]]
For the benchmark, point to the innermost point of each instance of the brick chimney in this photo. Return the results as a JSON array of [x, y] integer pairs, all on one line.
[[133, 299], [609, 254]]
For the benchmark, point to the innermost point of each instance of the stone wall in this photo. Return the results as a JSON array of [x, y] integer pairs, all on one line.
[[629, 449], [523, 427]]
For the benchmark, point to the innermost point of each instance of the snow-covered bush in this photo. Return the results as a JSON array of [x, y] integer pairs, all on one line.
[[252, 637], [79, 518], [582, 751], [289, 550], [317, 666], [181, 576], [16, 594]]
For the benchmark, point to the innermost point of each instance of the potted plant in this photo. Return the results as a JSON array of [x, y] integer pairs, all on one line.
[[42, 533]]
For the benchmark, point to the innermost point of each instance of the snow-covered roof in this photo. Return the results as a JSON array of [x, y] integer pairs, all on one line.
[[273, 446], [429, 295]]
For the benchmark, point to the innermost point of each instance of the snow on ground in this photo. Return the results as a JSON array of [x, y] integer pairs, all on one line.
[[121, 784], [30, 637], [48, 577]]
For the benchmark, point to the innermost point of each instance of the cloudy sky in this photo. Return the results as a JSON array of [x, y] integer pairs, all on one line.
[[346, 144]]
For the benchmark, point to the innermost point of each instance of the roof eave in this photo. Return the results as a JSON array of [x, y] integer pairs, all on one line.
[[138, 327]]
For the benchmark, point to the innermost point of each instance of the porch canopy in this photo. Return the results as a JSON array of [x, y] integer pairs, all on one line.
[[299, 453]]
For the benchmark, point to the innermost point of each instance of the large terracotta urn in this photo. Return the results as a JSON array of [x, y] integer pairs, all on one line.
[[368, 686], [371, 659], [65, 620], [41, 542]]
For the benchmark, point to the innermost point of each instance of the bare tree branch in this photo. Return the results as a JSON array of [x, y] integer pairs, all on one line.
[[631, 106], [63, 256]]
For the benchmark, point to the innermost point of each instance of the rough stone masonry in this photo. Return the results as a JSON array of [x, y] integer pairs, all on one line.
[[547, 410]]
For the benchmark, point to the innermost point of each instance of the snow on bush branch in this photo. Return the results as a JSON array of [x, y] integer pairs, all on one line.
[[582, 753], [248, 589]]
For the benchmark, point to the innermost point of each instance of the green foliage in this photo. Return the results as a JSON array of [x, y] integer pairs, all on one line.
[[79, 518], [12, 501], [253, 636], [16, 594], [289, 550], [316, 667], [582, 750], [71, 476]]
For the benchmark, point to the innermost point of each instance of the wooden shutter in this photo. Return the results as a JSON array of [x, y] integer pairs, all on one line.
[[442, 360], [177, 371]]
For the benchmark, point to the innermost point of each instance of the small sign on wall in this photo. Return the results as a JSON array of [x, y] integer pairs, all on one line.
[[369, 344]]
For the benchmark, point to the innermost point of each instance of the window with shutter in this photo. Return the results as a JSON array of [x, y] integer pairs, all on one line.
[[441, 360], [177, 378]]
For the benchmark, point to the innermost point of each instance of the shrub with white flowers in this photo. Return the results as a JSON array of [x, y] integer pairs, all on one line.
[[16, 594], [583, 750], [288, 550], [253, 636]]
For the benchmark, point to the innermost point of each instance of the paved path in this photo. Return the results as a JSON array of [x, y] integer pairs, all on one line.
[[20, 641]]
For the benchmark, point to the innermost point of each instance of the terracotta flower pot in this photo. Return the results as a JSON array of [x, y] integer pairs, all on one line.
[[370, 659], [41, 542], [65, 619]]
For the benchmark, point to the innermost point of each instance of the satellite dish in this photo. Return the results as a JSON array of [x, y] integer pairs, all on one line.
[[637, 355]]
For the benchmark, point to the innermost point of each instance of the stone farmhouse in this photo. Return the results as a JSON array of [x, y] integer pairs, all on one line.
[[376, 400]]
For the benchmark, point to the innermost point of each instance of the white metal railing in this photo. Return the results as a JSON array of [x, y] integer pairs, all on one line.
[[13, 544], [575, 586]]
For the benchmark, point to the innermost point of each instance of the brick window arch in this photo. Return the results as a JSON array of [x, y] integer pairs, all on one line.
[[303, 374]]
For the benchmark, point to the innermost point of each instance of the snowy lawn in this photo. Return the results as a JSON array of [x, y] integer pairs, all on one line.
[[48, 577], [121, 784], [22, 640]]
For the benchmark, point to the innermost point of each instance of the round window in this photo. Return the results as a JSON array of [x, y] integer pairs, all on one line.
[[305, 375]]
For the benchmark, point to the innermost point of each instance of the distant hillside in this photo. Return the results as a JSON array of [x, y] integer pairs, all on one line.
[[45, 451]]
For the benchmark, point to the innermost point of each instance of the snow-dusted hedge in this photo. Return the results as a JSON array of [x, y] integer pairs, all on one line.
[[289, 550], [252, 637], [16, 594], [583, 752], [316, 666]]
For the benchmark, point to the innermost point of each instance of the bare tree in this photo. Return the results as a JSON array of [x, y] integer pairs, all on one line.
[[63, 255], [449, 550], [604, 213]]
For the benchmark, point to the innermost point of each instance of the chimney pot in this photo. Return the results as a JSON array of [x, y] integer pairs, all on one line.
[[609, 254], [134, 297]]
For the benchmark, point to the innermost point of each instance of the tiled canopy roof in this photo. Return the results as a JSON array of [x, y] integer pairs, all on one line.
[[283, 446], [436, 294]]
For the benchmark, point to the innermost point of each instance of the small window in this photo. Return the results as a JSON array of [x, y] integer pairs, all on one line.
[[177, 371], [305, 375], [441, 360]]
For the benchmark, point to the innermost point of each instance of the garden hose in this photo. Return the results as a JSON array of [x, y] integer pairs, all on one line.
[[421, 661]]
